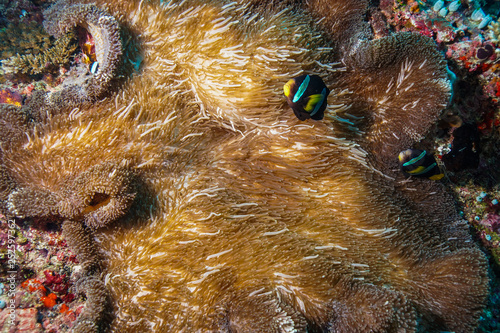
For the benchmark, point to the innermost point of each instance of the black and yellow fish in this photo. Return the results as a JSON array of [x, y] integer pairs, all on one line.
[[307, 95], [419, 163]]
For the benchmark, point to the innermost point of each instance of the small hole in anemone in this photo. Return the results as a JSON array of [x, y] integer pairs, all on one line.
[[99, 199]]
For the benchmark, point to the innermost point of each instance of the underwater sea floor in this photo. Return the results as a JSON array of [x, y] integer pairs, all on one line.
[[37, 269]]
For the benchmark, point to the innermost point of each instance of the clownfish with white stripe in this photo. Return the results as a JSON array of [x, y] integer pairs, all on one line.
[[307, 96], [419, 163]]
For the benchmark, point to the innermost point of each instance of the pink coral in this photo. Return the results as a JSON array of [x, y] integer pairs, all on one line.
[[27, 321], [492, 222], [57, 282]]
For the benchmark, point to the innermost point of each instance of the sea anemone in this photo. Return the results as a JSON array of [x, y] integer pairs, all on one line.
[[196, 201], [84, 89]]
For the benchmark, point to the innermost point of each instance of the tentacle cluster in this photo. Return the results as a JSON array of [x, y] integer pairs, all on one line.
[[97, 197], [368, 308], [100, 195], [95, 317], [7, 186], [411, 90], [97, 307], [13, 125]]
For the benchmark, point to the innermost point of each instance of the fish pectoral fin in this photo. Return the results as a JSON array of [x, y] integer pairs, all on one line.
[[416, 171], [437, 177], [313, 101]]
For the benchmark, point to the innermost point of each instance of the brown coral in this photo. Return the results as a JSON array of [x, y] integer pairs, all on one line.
[[247, 219], [23, 38], [55, 56]]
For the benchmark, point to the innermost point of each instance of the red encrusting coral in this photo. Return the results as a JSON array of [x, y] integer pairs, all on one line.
[[33, 285], [53, 289], [56, 282], [49, 300], [8, 96]]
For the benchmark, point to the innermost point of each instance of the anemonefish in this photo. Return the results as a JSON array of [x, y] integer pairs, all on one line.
[[419, 163], [307, 95], [94, 67]]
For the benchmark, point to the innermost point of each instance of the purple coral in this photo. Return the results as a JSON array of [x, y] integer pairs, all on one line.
[[492, 222], [485, 52]]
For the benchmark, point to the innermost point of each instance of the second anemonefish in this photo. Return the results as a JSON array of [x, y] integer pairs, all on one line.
[[419, 163], [94, 67], [307, 95]]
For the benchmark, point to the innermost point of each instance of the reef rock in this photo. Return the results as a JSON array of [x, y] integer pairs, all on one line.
[[213, 207]]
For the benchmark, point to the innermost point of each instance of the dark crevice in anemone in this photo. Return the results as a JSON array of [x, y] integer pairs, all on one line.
[[144, 206], [99, 199]]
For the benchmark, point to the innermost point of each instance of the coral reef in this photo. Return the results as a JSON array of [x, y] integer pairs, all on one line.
[[195, 200], [20, 11], [25, 38], [8, 96], [42, 267], [56, 56]]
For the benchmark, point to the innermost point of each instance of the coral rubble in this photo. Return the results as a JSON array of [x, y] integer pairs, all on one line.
[[193, 198]]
